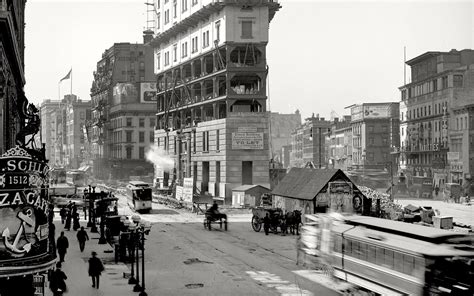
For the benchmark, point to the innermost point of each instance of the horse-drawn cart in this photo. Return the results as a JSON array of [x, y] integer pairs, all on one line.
[[275, 214], [214, 217]]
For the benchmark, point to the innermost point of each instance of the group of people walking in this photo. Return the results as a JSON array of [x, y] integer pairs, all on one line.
[[57, 277]]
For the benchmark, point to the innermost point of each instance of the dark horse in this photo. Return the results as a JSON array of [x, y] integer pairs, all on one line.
[[293, 221]]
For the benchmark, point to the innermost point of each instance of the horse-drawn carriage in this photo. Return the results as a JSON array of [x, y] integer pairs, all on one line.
[[277, 219], [213, 216]]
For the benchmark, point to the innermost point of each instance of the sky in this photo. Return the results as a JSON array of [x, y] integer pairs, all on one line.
[[322, 55]]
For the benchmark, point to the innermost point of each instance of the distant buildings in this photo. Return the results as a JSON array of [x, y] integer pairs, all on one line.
[[339, 144], [281, 127], [62, 130], [123, 111], [210, 62], [437, 118]]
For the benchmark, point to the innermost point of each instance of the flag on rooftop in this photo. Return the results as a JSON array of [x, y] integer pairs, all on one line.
[[67, 76]]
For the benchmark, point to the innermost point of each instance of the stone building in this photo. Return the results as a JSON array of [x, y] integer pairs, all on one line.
[[281, 127], [123, 108], [210, 62], [339, 144], [437, 118]]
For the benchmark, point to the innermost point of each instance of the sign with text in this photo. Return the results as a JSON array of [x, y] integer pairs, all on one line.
[[38, 284], [188, 185], [453, 156], [374, 111], [148, 92], [179, 193], [247, 140], [24, 211]]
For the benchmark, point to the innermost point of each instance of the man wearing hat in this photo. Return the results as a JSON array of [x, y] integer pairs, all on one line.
[[95, 269]]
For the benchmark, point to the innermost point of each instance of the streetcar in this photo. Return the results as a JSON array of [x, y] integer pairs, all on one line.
[[76, 178], [139, 196], [394, 258]]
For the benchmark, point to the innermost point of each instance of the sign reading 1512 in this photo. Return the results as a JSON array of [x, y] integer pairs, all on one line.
[[16, 180]]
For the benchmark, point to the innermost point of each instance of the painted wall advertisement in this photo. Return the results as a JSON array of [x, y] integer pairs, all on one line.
[[23, 214], [124, 93], [356, 113], [148, 92], [374, 111], [247, 138]]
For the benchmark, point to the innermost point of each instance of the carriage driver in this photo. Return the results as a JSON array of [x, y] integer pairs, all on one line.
[[215, 211]]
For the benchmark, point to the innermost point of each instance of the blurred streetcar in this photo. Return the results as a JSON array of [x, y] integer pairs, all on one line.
[[390, 257], [139, 196]]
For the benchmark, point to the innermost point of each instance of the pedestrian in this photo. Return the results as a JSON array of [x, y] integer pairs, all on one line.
[[95, 269], [63, 214], [57, 281], [82, 237], [76, 224], [61, 245], [68, 220], [266, 223]]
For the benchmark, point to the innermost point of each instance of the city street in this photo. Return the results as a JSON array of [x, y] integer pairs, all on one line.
[[184, 258]]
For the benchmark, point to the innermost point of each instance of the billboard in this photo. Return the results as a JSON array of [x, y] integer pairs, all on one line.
[[356, 113], [124, 93], [247, 140], [24, 211], [376, 111], [148, 92], [188, 186]]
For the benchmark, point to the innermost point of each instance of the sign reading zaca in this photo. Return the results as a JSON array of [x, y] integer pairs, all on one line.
[[23, 208]]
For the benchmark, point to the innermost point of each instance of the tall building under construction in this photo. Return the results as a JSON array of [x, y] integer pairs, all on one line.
[[211, 68]]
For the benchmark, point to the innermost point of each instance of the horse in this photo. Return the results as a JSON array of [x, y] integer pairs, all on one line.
[[293, 221]]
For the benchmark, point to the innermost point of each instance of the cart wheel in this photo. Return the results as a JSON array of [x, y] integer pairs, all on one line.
[[274, 229], [256, 225], [225, 225]]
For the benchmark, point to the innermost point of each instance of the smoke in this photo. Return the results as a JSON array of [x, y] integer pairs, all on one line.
[[159, 158]]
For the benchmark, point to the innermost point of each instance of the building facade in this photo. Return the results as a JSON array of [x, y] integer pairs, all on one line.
[[281, 127], [437, 118], [122, 109], [76, 114], [210, 62], [309, 144], [49, 113], [339, 144]]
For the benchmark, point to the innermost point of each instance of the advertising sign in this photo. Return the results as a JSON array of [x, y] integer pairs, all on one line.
[[356, 113], [247, 140], [453, 156], [23, 212], [188, 185], [38, 284], [179, 193], [148, 92], [124, 93], [376, 111]]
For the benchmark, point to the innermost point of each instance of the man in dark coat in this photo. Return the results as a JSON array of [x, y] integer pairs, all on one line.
[[266, 223], [57, 281], [82, 237], [63, 214], [61, 245], [95, 269]]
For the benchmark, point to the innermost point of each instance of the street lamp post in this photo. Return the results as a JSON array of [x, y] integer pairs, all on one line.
[[144, 229], [132, 228], [102, 207], [136, 242]]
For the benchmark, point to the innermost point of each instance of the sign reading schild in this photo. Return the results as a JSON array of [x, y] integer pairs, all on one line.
[[23, 213], [247, 140]]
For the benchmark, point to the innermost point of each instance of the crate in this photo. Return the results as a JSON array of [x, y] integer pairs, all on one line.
[[443, 222]]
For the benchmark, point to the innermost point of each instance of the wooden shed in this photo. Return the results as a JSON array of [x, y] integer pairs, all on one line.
[[248, 195], [318, 190]]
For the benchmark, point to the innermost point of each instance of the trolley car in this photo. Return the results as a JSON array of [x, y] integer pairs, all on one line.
[[139, 196]]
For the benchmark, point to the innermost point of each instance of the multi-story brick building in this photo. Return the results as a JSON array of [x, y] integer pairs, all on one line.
[[210, 62], [76, 114], [281, 127], [123, 111], [309, 144], [339, 144], [437, 118]]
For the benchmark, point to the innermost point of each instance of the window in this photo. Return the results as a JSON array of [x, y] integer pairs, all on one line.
[[384, 128], [167, 16], [184, 49], [246, 30], [429, 110], [157, 4], [444, 82], [152, 136], [218, 31], [385, 141], [129, 152], [217, 140], [205, 141], [457, 81], [128, 136], [205, 39], [152, 122], [194, 44], [158, 61], [142, 66], [370, 128], [141, 137], [194, 2], [435, 85], [141, 122], [371, 141], [194, 142], [175, 9], [141, 152], [175, 52], [184, 5], [158, 20], [167, 58], [129, 121]]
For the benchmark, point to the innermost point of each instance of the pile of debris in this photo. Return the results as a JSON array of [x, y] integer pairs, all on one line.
[[388, 208]]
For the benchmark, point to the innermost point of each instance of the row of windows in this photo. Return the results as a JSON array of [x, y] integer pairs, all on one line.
[[184, 47], [164, 142], [432, 86], [117, 137], [184, 8], [117, 152], [439, 109], [391, 259], [119, 122]]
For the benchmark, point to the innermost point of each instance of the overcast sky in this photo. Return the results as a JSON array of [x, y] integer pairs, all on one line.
[[322, 55]]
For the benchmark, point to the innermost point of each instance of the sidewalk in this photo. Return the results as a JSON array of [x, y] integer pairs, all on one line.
[[75, 266]]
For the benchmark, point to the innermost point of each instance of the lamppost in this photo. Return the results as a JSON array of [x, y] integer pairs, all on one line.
[[131, 228], [136, 242], [144, 228], [91, 194], [102, 206]]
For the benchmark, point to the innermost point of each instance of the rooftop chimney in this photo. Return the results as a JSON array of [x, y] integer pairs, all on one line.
[[147, 36]]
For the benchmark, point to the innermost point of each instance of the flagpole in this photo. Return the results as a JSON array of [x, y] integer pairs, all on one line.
[[71, 80], [59, 90]]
